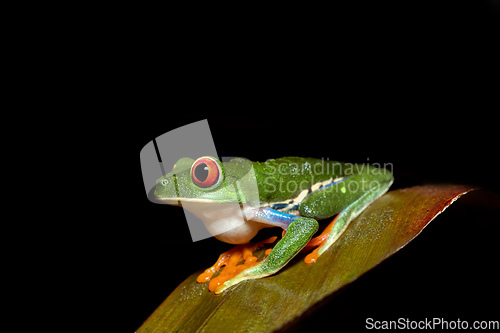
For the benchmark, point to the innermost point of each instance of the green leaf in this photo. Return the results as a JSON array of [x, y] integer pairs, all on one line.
[[267, 304]]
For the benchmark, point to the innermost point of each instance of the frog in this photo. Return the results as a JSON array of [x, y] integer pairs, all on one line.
[[291, 193]]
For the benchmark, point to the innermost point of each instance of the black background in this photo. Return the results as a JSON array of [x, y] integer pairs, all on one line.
[[448, 271], [414, 85]]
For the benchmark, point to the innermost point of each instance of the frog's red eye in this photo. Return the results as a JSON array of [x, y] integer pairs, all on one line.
[[206, 172]]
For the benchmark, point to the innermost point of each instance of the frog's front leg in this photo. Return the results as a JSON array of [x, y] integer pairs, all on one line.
[[230, 260], [299, 231]]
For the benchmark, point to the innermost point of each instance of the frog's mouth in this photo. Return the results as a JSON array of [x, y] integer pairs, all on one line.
[[177, 201], [174, 201]]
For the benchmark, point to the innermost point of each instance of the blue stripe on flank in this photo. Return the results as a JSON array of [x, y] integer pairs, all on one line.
[[270, 216]]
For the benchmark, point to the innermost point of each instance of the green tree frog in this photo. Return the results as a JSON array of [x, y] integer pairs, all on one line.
[[293, 194]]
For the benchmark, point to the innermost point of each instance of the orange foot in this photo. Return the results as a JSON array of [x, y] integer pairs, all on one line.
[[230, 260], [317, 242]]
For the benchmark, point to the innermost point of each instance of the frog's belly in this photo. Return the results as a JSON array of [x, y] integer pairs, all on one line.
[[226, 222], [242, 233]]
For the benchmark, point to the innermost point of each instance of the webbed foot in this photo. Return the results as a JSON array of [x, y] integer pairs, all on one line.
[[230, 261], [298, 234]]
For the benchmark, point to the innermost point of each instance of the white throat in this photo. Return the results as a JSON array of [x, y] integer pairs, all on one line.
[[228, 222]]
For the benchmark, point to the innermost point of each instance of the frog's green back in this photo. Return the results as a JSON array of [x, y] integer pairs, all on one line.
[[286, 177]]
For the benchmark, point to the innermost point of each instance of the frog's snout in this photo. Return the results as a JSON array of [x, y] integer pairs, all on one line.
[[166, 191]]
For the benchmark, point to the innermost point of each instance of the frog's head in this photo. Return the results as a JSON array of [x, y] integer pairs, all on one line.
[[207, 180], [216, 193]]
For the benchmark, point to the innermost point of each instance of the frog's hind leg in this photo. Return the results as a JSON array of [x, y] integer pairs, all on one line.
[[340, 223], [317, 242]]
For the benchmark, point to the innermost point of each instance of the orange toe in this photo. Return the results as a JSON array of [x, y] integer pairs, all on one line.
[[231, 260]]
